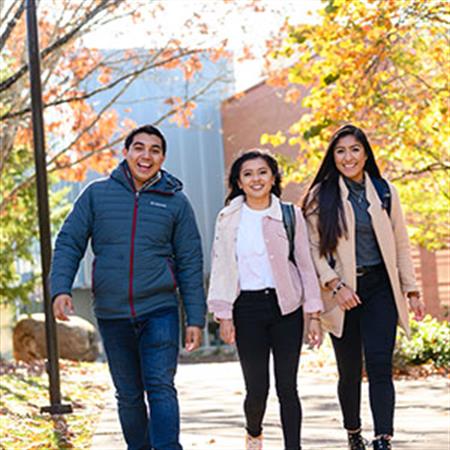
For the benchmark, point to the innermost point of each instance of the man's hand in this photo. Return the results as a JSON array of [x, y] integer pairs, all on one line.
[[193, 338], [227, 332], [63, 305]]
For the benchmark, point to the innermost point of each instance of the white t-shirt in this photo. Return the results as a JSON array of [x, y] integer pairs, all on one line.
[[255, 272]]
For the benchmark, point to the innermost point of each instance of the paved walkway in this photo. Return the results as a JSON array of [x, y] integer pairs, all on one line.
[[211, 397]]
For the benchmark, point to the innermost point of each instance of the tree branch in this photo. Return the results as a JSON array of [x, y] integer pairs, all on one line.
[[145, 68], [11, 24], [60, 42], [434, 167], [30, 179], [108, 146]]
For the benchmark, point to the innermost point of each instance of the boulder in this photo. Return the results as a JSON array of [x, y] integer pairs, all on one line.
[[77, 339]]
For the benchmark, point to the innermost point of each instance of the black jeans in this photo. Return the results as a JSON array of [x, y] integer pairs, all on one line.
[[370, 329], [260, 329]]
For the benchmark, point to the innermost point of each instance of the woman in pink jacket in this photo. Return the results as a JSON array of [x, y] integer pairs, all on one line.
[[360, 248], [259, 295]]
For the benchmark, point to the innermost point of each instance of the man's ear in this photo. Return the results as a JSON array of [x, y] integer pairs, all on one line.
[[124, 152]]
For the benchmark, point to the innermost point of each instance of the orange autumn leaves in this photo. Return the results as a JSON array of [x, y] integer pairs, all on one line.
[[183, 111], [80, 131]]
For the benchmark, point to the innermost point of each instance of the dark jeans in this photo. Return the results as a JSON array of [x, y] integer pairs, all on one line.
[[142, 356], [370, 329], [260, 329]]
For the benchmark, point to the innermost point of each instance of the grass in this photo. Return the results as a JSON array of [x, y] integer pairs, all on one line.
[[24, 390]]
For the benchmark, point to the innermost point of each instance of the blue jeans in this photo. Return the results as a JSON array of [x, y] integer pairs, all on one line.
[[142, 355]]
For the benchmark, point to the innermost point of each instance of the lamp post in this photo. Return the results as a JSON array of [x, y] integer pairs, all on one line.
[[55, 407]]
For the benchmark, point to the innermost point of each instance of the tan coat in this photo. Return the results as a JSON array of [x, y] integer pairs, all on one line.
[[394, 245]]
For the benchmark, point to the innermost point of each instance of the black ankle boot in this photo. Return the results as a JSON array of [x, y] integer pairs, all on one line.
[[382, 444], [356, 441]]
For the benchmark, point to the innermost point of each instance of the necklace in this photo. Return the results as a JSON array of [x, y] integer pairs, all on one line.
[[361, 196], [357, 191], [358, 196]]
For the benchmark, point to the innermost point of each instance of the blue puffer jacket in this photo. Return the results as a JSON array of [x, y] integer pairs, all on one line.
[[146, 244]]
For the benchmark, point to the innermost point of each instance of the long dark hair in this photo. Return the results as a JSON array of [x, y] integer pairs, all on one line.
[[324, 192], [235, 172]]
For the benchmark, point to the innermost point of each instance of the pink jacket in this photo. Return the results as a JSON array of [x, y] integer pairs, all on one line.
[[293, 288]]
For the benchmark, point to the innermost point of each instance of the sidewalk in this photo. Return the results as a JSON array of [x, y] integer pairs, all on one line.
[[211, 396]]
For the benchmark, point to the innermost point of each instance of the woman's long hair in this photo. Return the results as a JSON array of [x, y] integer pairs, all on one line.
[[235, 172], [324, 192]]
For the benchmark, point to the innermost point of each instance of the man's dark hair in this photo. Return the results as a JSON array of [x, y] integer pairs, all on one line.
[[235, 172], [149, 129]]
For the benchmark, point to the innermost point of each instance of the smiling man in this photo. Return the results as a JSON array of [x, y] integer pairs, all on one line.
[[146, 246]]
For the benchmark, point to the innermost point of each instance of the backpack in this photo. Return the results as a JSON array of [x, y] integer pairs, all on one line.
[[288, 213], [384, 193]]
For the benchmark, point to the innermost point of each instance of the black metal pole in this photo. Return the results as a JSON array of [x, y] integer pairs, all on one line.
[[43, 211]]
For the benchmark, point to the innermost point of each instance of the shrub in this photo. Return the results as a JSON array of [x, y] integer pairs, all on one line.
[[429, 343]]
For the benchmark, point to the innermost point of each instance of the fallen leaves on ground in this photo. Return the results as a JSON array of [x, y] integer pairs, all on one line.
[[419, 372], [24, 390]]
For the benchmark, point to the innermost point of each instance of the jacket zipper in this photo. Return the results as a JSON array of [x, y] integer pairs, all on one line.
[[133, 235]]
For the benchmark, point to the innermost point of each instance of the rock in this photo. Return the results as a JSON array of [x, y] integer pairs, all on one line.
[[77, 339]]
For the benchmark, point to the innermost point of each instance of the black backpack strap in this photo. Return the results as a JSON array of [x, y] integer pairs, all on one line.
[[384, 193], [288, 212], [331, 260]]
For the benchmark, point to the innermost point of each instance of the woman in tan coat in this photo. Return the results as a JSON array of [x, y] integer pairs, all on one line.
[[361, 251]]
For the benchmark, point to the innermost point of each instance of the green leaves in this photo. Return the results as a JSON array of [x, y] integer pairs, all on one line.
[[316, 129], [330, 78], [429, 343], [331, 8], [19, 267]]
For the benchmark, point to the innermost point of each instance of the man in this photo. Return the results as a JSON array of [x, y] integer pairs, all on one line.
[[146, 245]]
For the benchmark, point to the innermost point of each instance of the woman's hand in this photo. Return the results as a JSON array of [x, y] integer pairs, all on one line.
[[227, 332], [345, 297], [417, 306], [315, 334]]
